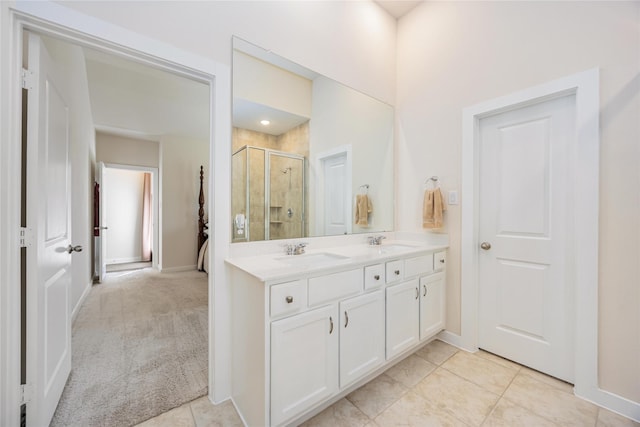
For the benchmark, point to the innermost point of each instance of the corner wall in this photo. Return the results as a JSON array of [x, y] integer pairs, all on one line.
[[455, 54]]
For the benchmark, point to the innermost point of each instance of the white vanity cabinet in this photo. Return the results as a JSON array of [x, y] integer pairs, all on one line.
[[301, 342], [403, 307], [431, 305], [415, 307], [304, 361], [361, 336]]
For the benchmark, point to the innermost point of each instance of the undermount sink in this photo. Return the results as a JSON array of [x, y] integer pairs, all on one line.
[[308, 260], [392, 248]]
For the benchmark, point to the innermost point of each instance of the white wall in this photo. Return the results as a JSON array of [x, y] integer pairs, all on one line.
[[267, 84], [179, 187], [350, 41], [71, 59], [369, 131], [455, 54], [123, 195], [127, 151]]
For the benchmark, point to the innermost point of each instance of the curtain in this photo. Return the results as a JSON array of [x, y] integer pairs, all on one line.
[[147, 218]]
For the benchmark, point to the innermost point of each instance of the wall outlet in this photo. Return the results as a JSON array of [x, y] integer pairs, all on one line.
[[453, 197]]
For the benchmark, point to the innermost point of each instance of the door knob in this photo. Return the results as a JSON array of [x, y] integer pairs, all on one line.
[[485, 245], [76, 248]]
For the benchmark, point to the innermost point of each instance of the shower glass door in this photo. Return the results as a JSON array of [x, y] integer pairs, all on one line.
[[285, 196]]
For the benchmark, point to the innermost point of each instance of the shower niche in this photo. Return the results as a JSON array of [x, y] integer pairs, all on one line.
[[268, 195]]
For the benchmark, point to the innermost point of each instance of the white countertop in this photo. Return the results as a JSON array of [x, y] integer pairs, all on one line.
[[278, 266]]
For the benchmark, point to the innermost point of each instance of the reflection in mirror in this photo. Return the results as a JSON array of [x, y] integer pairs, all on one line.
[[311, 156]]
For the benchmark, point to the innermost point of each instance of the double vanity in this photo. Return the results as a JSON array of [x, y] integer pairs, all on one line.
[[310, 328]]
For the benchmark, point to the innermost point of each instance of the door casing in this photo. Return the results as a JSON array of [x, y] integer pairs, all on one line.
[[57, 21], [583, 183]]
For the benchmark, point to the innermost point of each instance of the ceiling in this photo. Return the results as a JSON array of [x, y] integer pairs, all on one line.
[[398, 8], [138, 100]]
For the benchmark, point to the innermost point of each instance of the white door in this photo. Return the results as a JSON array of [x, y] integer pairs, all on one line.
[[304, 362], [337, 195], [48, 352], [100, 241], [361, 336], [525, 302]]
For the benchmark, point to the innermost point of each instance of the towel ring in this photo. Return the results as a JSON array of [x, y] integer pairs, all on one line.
[[433, 179]]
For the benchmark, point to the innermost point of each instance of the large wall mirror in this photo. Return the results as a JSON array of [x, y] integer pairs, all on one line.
[[311, 156]]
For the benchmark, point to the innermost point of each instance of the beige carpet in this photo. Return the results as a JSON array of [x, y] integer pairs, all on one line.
[[139, 349]]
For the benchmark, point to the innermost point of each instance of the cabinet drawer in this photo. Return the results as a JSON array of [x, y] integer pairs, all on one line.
[[288, 297], [439, 260], [373, 276], [333, 286], [395, 271], [418, 265]]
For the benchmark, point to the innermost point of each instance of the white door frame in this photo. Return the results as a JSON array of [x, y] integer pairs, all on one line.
[[584, 184], [57, 21], [156, 260]]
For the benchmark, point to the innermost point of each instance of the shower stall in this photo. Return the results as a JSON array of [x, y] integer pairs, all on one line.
[[268, 195]]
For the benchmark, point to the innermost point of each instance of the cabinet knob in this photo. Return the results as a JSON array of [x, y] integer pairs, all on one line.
[[289, 299], [377, 277], [397, 272], [442, 261]]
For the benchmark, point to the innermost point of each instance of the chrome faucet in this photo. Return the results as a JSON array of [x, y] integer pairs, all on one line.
[[376, 240], [295, 248]]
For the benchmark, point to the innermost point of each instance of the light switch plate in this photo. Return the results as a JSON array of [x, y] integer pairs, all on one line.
[[453, 197]]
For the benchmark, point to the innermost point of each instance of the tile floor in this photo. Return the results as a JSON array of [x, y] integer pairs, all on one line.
[[438, 385]]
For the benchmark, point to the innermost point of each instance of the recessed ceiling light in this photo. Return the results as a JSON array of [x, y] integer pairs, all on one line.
[[265, 122]]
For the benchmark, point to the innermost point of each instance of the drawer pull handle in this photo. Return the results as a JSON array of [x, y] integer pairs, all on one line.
[[330, 325], [397, 272], [417, 293], [346, 318], [289, 299], [442, 261], [425, 291], [377, 277]]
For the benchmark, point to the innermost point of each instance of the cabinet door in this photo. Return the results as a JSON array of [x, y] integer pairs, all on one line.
[[361, 336], [403, 306], [431, 305], [304, 362]]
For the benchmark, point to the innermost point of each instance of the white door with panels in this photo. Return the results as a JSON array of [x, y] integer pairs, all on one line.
[[337, 195], [525, 302], [49, 255]]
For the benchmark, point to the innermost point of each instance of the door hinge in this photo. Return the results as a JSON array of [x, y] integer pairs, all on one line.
[[26, 393], [27, 79], [26, 237]]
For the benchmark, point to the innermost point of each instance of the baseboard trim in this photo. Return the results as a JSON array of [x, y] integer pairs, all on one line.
[[614, 403], [124, 260], [178, 269], [454, 340], [84, 295]]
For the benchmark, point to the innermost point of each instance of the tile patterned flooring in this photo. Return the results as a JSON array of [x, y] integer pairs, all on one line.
[[438, 385]]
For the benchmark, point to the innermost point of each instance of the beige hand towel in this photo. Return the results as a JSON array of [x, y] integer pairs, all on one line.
[[433, 208], [363, 209]]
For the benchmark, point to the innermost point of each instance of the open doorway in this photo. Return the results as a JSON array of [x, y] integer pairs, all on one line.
[[129, 212], [145, 341]]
